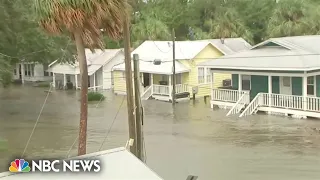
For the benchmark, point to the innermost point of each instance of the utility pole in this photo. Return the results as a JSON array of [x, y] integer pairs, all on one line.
[[174, 67], [129, 87], [138, 107]]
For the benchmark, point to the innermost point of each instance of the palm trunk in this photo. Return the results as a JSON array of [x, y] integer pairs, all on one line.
[[84, 93]]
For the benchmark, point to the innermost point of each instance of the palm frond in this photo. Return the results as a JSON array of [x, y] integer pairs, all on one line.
[[88, 16]]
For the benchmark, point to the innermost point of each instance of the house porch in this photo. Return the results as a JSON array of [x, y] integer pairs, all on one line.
[[159, 86], [60, 81], [286, 94]]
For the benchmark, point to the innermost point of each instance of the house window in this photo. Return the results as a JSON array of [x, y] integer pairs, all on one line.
[[15, 71], [310, 85], [200, 75], [246, 82], [286, 81], [178, 79], [208, 75]]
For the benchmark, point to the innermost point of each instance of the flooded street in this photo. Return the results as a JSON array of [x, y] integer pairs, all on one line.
[[190, 139]]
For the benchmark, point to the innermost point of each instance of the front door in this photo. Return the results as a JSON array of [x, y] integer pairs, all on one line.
[[146, 79], [285, 85]]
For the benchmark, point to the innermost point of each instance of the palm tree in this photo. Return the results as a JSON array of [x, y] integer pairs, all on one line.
[[85, 21], [227, 24], [291, 18]]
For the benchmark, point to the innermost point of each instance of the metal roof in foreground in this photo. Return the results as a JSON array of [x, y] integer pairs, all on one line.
[[116, 164]]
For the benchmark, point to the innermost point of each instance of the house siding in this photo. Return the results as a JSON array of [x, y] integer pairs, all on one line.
[[276, 84], [296, 86], [119, 82], [108, 80], [204, 55], [318, 85], [258, 84]]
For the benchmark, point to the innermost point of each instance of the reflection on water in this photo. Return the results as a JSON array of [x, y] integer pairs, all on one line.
[[187, 139]]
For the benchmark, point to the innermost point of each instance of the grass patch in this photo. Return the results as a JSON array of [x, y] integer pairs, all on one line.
[[95, 96], [43, 84]]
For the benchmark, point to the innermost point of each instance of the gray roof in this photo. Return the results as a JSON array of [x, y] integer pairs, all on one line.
[[116, 164], [230, 45], [297, 53]]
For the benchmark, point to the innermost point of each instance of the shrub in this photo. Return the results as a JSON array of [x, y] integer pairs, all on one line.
[[6, 78], [95, 96]]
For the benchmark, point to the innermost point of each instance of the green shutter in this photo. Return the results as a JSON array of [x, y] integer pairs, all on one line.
[[275, 84], [318, 85], [235, 81], [297, 86], [258, 84]]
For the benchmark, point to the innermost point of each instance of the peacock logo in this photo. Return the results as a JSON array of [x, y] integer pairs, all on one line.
[[19, 165]]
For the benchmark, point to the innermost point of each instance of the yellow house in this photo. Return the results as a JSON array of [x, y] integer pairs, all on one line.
[[156, 67]]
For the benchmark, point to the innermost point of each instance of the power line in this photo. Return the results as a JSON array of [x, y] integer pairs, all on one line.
[[35, 125], [114, 119]]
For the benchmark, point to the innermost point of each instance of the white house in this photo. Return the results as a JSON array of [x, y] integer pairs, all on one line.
[[30, 71], [116, 164], [100, 64]]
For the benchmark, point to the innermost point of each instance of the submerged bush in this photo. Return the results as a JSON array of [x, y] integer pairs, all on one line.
[[95, 96], [6, 78]]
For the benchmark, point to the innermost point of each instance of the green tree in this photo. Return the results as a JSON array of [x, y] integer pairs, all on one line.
[[84, 21], [292, 18]]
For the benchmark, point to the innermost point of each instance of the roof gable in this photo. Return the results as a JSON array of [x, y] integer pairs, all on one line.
[[271, 43]]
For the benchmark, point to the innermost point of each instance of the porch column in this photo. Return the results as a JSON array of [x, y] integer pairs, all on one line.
[[212, 85], [170, 86], [53, 80], [64, 81], [94, 81], [270, 89], [304, 91], [76, 80], [22, 72], [239, 85], [151, 75]]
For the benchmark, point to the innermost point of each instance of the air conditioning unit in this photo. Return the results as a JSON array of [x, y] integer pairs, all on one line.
[[226, 83]]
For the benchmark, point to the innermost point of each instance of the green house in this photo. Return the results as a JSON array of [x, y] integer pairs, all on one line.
[[280, 75]]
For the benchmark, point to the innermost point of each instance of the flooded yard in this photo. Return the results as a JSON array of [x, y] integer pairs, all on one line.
[[188, 139]]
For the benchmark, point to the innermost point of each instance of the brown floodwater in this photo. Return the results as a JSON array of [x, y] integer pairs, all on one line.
[[188, 139]]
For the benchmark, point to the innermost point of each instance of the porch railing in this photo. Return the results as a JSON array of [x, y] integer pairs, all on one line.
[[252, 107], [228, 95], [160, 89], [291, 102], [181, 88], [241, 103], [147, 93]]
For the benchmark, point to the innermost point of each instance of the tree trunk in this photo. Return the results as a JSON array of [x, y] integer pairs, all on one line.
[[84, 93]]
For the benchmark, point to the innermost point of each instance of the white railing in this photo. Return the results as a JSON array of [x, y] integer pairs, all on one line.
[[243, 100], [147, 93], [161, 89], [227, 95], [291, 102], [313, 104], [251, 108], [181, 88]]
